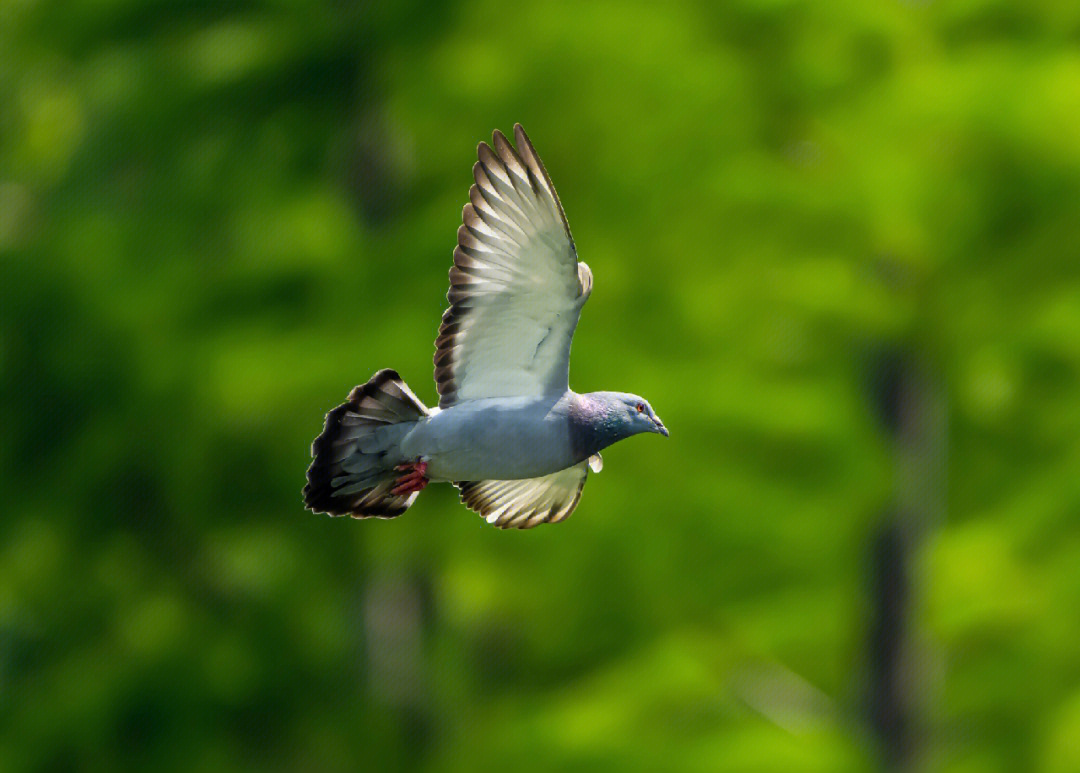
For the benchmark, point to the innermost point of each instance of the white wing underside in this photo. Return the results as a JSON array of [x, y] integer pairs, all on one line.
[[522, 504], [516, 288]]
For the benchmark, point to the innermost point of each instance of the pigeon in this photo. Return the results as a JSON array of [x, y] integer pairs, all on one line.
[[508, 432]]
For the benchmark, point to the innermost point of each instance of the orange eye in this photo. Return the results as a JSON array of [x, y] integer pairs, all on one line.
[[640, 407]]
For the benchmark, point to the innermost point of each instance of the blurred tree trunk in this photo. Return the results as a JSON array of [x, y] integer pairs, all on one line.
[[901, 675]]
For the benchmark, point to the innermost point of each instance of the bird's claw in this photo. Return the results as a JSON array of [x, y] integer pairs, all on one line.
[[414, 480]]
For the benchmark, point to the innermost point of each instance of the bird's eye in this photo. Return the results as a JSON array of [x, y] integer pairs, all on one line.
[[640, 407]]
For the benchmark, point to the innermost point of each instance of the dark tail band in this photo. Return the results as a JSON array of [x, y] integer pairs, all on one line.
[[354, 457]]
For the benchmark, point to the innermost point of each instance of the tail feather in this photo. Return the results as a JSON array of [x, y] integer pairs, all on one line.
[[354, 457]]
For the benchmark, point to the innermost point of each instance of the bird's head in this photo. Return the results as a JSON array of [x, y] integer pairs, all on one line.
[[632, 413]]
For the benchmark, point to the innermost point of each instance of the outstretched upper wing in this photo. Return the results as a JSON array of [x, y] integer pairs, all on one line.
[[516, 288]]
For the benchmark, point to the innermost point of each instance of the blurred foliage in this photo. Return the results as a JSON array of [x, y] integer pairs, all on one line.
[[216, 217]]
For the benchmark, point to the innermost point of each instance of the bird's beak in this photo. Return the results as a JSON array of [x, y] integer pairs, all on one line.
[[660, 428]]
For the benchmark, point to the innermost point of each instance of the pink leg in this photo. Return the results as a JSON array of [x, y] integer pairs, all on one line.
[[413, 480]]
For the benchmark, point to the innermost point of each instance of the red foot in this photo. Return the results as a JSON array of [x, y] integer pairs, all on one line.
[[414, 480]]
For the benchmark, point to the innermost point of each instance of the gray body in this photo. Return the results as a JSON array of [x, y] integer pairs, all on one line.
[[499, 438]]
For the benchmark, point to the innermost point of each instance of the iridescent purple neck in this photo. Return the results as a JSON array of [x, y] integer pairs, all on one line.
[[597, 420]]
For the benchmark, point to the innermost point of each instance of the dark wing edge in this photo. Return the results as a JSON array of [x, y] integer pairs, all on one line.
[[536, 167]]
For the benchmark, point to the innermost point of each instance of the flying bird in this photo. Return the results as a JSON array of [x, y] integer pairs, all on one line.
[[509, 432]]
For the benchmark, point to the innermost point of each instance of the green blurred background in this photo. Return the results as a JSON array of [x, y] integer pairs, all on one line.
[[835, 244]]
